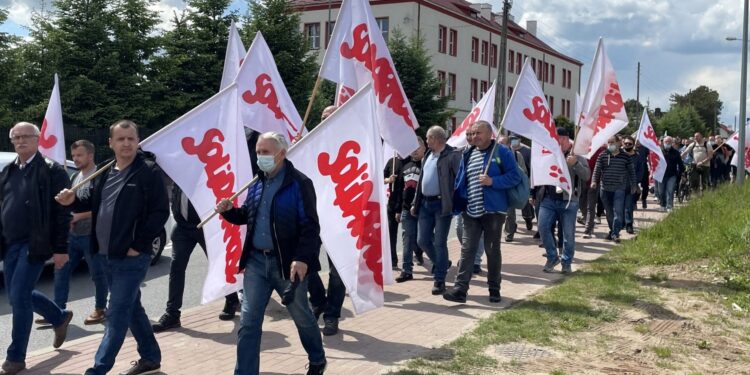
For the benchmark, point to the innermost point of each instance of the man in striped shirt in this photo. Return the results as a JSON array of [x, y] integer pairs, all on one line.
[[487, 170], [615, 173]]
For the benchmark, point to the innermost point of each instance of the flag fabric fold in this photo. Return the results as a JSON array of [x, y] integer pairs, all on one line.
[[233, 58], [52, 137], [647, 137], [484, 110]]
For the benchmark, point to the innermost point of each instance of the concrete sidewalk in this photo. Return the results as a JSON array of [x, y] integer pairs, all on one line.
[[411, 323]]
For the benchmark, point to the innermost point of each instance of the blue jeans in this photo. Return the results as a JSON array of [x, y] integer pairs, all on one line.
[[556, 210], [20, 278], [614, 204], [79, 249], [667, 192], [433, 229], [262, 276], [125, 277], [630, 201], [460, 234], [409, 240]]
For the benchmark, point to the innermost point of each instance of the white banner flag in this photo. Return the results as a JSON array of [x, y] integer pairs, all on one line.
[[545, 167], [52, 137], [528, 115], [204, 152], [734, 143], [345, 164], [357, 54], [647, 137], [603, 111], [484, 110], [233, 57], [265, 105]]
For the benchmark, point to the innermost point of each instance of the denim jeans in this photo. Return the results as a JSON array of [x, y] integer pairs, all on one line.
[[614, 204], [667, 192], [125, 277], [489, 225], [262, 276], [336, 292], [510, 222], [460, 233], [184, 240], [630, 201], [433, 229], [20, 278], [79, 248], [556, 210], [409, 241]]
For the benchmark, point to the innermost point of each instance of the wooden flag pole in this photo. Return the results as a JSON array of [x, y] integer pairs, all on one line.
[[233, 197], [93, 175], [309, 105]]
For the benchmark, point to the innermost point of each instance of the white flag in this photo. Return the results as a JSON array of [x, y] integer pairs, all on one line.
[[344, 163], [734, 143], [647, 137], [357, 55], [233, 57], [528, 115], [484, 110], [204, 152], [265, 104], [603, 111], [52, 137]]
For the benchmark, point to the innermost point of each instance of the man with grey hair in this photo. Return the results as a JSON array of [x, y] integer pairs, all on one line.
[[433, 205], [281, 248], [34, 228]]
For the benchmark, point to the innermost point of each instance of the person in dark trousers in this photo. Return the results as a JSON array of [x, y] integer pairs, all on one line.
[[615, 175], [528, 211], [674, 171], [510, 221], [645, 176], [628, 147], [591, 201], [281, 248], [185, 236], [34, 229], [129, 207], [406, 191], [391, 172]]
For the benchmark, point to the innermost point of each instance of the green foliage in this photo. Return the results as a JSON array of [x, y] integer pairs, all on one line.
[[681, 121], [419, 81], [705, 101], [8, 70], [634, 110], [564, 122]]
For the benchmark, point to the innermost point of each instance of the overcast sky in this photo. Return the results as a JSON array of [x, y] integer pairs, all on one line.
[[680, 43]]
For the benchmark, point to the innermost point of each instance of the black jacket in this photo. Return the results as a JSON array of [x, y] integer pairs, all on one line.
[[675, 166], [141, 209], [49, 219], [294, 220], [192, 220]]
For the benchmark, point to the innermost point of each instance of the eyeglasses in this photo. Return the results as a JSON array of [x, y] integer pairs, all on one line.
[[16, 138]]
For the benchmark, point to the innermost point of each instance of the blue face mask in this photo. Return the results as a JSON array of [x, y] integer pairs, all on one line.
[[266, 163]]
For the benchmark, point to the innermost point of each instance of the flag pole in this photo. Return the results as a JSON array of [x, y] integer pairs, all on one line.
[[233, 197], [92, 176], [309, 104]]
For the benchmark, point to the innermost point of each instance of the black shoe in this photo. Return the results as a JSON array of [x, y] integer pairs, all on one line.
[[438, 288], [229, 311], [643, 204], [318, 311], [509, 238], [404, 277], [142, 367], [166, 322], [536, 236], [455, 295], [616, 238], [608, 238], [495, 296], [550, 265], [567, 269], [420, 258], [477, 269], [316, 369], [331, 327], [529, 224], [630, 230], [61, 331], [580, 220], [12, 368]]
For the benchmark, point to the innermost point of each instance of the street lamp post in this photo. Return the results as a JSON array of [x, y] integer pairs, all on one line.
[[743, 102]]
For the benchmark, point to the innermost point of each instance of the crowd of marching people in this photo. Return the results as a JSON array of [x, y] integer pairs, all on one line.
[[110, 221]]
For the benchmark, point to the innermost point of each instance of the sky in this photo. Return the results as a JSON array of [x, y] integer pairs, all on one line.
[[681, 44]]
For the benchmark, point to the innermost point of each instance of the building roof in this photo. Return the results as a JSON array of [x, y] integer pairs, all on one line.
[[458, 8]]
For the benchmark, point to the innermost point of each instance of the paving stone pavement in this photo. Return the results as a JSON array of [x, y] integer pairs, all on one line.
[[411, 324]]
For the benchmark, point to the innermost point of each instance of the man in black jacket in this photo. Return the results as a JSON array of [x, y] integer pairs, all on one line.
[[34, 228], [185, 236], [129, 207], [675, 168], [281, 248]]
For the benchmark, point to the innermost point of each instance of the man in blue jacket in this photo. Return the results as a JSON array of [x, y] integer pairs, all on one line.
[[481, 195]]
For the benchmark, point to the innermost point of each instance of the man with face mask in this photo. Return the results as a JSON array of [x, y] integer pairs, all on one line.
[[628, 146], [675, 168], [281, 248], [615, 173]]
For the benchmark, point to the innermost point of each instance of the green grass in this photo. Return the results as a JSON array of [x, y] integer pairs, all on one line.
[[662, 351], [704, 345], [557, 372], [714, 228], [642, 329]]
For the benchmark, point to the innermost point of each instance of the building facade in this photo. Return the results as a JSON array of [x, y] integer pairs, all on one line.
[[463, 41]]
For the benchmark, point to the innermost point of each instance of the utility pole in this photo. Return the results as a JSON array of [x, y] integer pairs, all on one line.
[[638, 85], [743, 103], [500, 100]]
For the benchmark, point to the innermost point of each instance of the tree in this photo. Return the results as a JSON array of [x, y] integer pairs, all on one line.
[[564, 122], [8, 71], [279, 24], [634, 111], [419, 81], [681, 121], [706, 103]]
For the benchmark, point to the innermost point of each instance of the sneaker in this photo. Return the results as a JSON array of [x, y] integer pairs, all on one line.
[[630, 230], [12, 368], [529, 224], [550, 265], [403, 277], [419, 257], [142, 367], [587, 234], [567, 269], [438, 288], [455, 295], [61, 331], [509, 238], [229, 311], [166, 322], [477, 269], [580, 220], [495, 296], [598, 219], [316, 369], [96, 317], [331, 327]]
